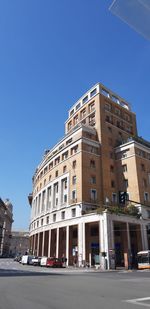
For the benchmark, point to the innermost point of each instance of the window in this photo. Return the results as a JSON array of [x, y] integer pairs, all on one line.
[[65, 198], [112, 183], [110, 129], [114, 198], [44, 182], [50, 177], [143, 167], [92, 120], [54, 217], [93, 195], [107, 107], [43, 200], [91, 107], [78, 106], [50, 165], [63, 215], [146, 197], [72, 112], [111, 168], [37, 223], [56, 187], [56, 201], [83, 113], [92, 164], [64, 169], [126, 183], [85, 99], [117, 111], [74, 164], [73, 212], [76, 119], [124, 168], [47, 220], [56, 174], [93, 92], [57, 160], [68, 141], [74, 149], [41, 222], [74, 179], [65, 155], [93, 180], [69, 125], [74, 195]]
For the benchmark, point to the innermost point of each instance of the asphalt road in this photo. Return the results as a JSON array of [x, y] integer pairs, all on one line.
[[29, 287]]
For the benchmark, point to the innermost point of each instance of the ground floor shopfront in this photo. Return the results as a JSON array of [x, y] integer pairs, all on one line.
[[107, 240]]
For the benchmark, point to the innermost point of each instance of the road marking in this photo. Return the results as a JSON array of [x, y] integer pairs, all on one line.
[[139, 301]]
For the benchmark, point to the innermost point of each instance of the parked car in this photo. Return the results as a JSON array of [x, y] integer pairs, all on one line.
[[54, 262], [27, 259], [36, 261], [18, 258], [43, 261]]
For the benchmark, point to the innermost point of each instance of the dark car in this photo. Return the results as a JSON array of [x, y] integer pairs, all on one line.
[[54, 262]]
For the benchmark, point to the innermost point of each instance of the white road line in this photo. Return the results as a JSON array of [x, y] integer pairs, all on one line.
[[139, 301]]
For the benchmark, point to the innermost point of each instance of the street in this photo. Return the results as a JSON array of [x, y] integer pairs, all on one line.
[[23, 287]]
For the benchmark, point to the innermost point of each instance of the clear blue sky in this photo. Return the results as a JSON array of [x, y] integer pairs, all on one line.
[[52, 52]]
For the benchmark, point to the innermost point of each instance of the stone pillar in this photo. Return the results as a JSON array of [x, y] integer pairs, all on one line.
[[49, 244], [144, 237], [38, 244], [81, 243], [128, 237], [106, 238], [43, 243], [57, 242], [67, 244]]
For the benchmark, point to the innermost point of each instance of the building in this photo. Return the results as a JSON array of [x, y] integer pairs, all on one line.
[[19, 243], [91, 192], [6, 220]]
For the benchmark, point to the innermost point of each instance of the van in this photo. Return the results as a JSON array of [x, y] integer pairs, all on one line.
[[43, 261], [27, 259]]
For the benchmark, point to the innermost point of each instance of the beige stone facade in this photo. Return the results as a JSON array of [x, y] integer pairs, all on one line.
[[6, 220], [77, 184]]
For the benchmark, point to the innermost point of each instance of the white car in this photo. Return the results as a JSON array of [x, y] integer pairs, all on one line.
[[43, 261], [27, 259]]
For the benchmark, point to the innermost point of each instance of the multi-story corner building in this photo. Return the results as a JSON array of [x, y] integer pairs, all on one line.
[[6, 220], [75, 204]]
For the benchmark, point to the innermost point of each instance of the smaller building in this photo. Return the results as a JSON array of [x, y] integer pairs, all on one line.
[[19, 243], [6, 220]]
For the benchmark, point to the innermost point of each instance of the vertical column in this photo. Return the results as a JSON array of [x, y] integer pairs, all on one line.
[[101, 236], [43, 243], [128, 237], [49, 244], [106, 237], [67, 244], [57, 242], [38, 244], [81, 243], [144, 237]]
